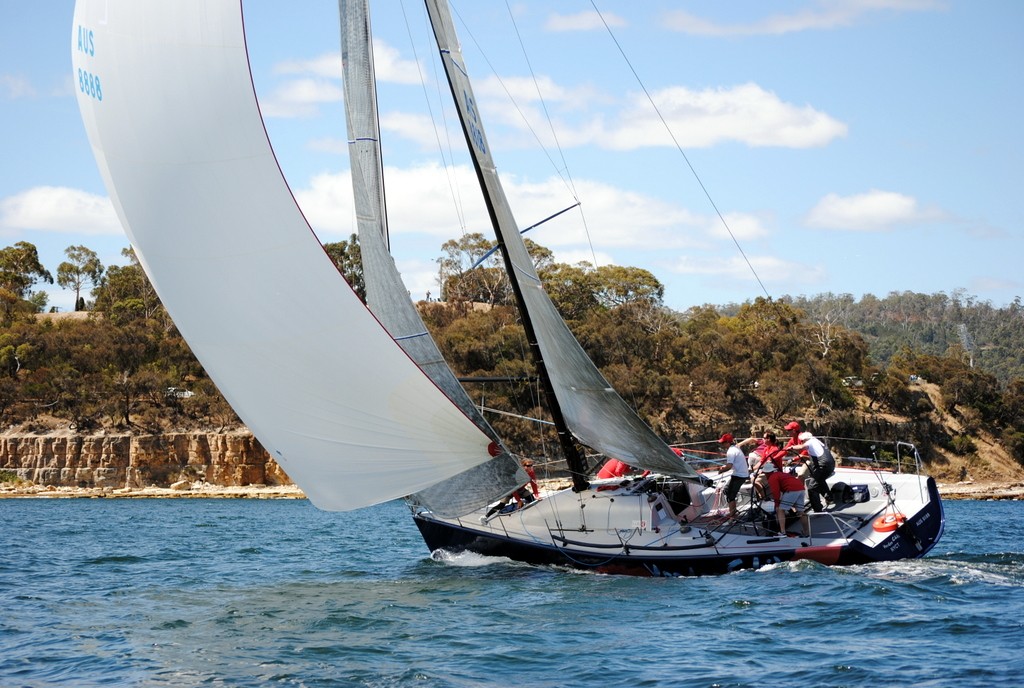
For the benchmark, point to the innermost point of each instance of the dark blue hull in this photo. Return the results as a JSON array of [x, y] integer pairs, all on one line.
[[913, 539]]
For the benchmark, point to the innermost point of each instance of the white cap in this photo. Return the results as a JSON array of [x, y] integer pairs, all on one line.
[[804, 436], [768, 467]]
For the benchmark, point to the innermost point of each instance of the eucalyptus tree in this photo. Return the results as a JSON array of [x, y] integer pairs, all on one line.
[[347, 258], [20, 270], [125, 292], [82, 268]]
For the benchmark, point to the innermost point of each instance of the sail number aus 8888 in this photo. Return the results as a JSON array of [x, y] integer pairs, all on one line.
[[89, 84]]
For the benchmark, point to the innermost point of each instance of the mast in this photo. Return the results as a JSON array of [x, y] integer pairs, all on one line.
[[570, 449], [360, 84], [475, 141], [584, 400], [386, 294]]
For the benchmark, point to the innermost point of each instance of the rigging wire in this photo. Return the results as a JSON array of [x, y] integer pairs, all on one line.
[[483, 54], [448, 163], [449, 160], [562, 172], [554, 133], [679, 148]]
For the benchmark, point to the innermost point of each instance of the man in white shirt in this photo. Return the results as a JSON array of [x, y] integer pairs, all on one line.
[[737, 463], [820, 464]]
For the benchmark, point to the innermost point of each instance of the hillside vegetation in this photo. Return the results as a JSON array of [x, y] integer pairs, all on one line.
[[898, 367]]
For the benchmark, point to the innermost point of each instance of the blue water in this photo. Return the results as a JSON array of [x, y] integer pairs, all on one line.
[[277, 593]]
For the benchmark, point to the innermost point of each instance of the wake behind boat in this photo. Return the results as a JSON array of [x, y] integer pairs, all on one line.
[[357, 405]]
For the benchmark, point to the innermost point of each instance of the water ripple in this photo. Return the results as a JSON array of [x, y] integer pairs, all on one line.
[[280, 594]]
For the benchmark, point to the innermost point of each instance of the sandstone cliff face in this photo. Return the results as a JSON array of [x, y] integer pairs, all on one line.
[[233, 459]]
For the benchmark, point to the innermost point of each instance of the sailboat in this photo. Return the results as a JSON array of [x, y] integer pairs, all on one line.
[[354, 401]]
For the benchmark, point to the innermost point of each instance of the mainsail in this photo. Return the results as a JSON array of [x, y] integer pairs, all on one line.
[[168, 102], [594, 412], [386, 294]]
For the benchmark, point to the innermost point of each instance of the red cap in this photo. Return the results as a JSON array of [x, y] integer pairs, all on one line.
[[725, 439], [793, 426]]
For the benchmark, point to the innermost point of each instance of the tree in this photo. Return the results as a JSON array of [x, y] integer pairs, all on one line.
[[460, 281], [125, 292], [20, 269], [80, 269], [620, 286], [347, 258], [781, 394], [829, 315], [572, 288]]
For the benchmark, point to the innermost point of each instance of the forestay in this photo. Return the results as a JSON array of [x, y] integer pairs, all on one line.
[[386, 294], [169, 107], [594, 412]]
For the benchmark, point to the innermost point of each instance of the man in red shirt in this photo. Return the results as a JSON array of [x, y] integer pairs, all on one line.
[[770, 451], [788, 492], [793, 428], [521, 495]]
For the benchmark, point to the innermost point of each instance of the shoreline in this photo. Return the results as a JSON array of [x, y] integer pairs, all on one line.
[[980, 490], [195, 491], [983, 490]]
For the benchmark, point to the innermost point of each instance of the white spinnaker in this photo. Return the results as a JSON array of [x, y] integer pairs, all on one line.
[[168, 103]]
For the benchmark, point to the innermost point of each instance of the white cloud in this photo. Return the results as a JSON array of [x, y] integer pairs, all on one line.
[[698, 119], [14, 87], [388, 65], [824, 16], [300, 98], [423, 200], [59, 209], [327, 66], [582, 21], [769, 270], [871, 212], [746, 113], [614, 217], [524, 103], [580, 255], [65, 87], [419, 200], [523, 89], [416, 128], [742, 227], [329, 145], [319, 81], [989, 283], [419, 276]]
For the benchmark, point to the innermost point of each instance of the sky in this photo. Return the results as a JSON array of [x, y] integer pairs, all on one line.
[[734, 150]]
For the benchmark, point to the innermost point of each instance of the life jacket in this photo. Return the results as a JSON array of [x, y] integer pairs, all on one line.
[[613, 468]]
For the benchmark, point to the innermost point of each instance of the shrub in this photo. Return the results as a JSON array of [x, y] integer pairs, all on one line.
[[963, 445]]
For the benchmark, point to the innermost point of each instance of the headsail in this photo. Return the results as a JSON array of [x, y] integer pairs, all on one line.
[[594, 412], [386, 295], [168, 103]]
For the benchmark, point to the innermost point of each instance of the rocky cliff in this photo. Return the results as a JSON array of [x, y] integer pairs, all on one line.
[[136, 461]]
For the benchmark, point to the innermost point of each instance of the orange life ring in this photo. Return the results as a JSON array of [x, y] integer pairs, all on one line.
[[884, 524]]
